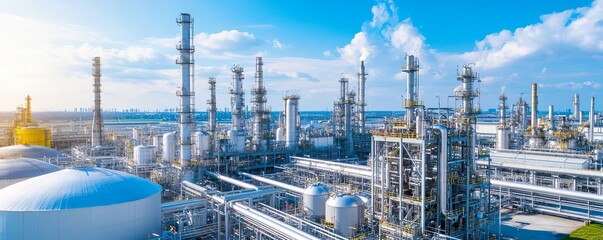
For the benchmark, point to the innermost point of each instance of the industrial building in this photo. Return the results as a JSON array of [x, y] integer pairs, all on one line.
[[261, 174]]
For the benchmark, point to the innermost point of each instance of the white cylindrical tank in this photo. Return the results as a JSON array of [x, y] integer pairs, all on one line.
[[81, 203], [279, 134], [291, 122], [346, 213], [145, 155], [502, 138], [314, 199], [169, 147]]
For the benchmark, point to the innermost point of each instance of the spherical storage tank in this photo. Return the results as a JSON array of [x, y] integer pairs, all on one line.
[[14, 170], [81, 203], [314, 199], [144, 155], [345, 212]]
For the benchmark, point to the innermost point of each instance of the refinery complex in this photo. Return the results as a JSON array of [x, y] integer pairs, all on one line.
[[427, 173]]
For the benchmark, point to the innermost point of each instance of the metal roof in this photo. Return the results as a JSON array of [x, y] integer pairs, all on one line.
[[76, 188], [18, 168], [28, 151]]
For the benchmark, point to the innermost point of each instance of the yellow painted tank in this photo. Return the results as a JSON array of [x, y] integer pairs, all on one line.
[[33, 136]]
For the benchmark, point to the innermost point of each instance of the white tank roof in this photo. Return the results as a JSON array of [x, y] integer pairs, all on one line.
[[28, 151], [12, 168], [76, 188]]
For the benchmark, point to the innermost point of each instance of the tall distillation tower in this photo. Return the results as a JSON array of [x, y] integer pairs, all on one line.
[[211, 112], [97, 119], [186, 121], [412, 94], [236, 133], [502, 130], [361, 99], [261, 115]]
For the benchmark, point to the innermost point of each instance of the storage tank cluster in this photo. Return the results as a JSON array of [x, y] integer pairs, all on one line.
[[81, 203], [314, 199]]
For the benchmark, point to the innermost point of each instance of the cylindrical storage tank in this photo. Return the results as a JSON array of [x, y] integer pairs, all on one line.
[[202, 142], [33, 135], [291, 122], [279, 134], [314, 199], [81, 203], [366, 198], [502, 138], [345, 212], [169, 147], [144, 155]]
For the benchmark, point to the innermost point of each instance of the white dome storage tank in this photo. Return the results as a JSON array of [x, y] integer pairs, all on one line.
[[144, 155], [14, 170], [314, 199], [81, 203], [346, 213], [169, 147]]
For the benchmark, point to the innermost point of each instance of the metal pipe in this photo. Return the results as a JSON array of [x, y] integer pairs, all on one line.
[[285, 186], [231, 180], [186, 64], [274, 224], [443, 167], [540, 169], [342, 168], [546, 190]]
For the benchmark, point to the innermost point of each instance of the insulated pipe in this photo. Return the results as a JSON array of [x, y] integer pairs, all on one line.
[[547, 190], [342, 168], [534, 107], [591, 120], [443, 167], [272, 223], [285, 186], [232, 181]]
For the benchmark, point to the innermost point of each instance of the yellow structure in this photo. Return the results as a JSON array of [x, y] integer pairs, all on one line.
[[28, 132]]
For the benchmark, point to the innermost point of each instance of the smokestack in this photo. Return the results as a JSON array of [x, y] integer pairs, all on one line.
[[186, 64], [361, 101], [411, 67], [551, 116], [591, 120], [534, 107], [97, 118]]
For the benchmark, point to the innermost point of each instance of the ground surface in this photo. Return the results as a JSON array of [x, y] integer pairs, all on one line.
[[590, 232], [533, 226]]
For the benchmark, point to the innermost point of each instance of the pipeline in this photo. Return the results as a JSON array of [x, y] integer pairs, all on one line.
[[285, 186], [231, 180], [342, 168]]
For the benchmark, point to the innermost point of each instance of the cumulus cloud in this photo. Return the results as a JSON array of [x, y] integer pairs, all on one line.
[[232, 40], [407, 37], [358, 49], [276, 44]]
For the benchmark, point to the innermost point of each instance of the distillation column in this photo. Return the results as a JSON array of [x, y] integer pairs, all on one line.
[[261, 117], [411, 67], [291, 112], [591, 121], [211, 111], [552, 116], [237, 135], [534, 108], [186, 63], [97, 119], [361, 98], [576, 107], [502, 131]]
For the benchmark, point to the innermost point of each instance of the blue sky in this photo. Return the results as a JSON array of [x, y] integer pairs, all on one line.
[[47, 47]]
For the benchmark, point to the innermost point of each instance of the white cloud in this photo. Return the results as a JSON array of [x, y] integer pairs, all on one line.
[[326, 53], [407, 37], [276, 44], [380, 15], [232, 40], [359, 49]]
